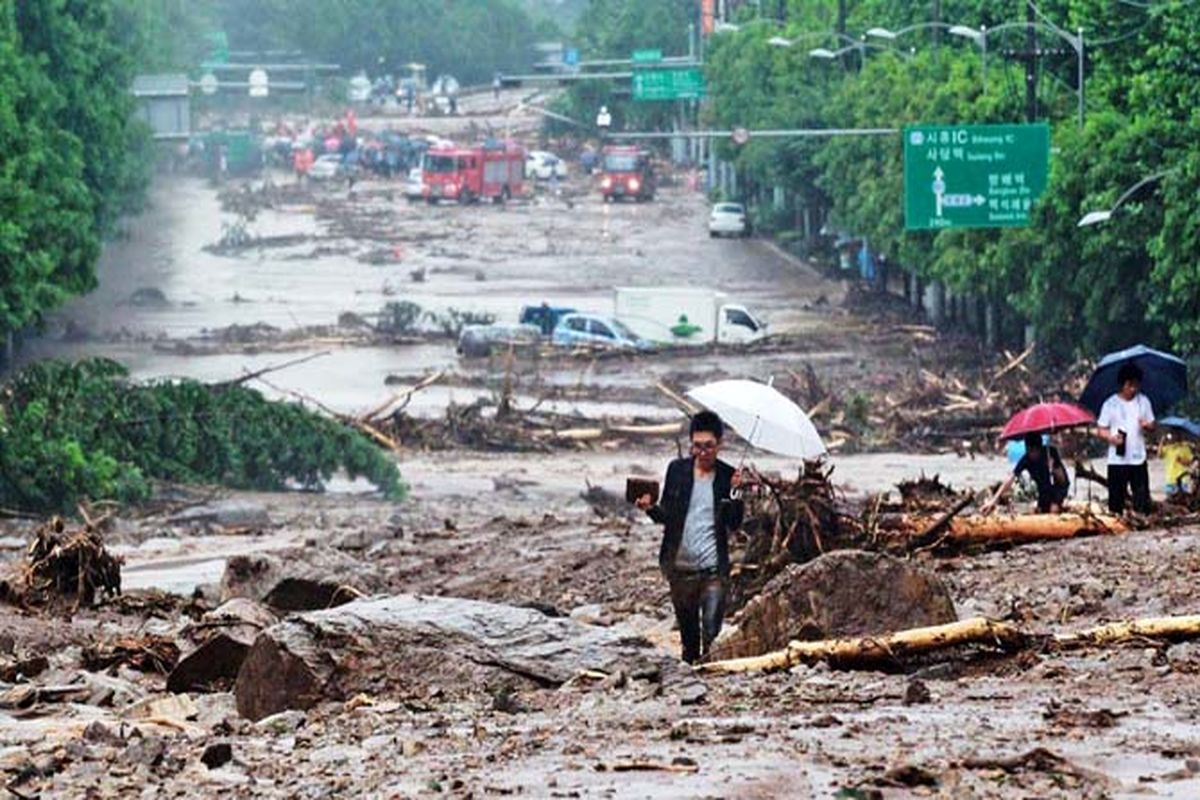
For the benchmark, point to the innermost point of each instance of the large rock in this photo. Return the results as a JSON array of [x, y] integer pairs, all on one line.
[[224, 637], [410, 644], [843, 593], [302, 579]]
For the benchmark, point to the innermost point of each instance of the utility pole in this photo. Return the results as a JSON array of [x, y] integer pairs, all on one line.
[[1031, 57], [937, 27]]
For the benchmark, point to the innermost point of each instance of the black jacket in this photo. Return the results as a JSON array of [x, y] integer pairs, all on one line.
[[672, 509]]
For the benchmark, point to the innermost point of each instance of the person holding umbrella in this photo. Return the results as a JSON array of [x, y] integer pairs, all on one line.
[[1124, 419], [1046, 470], [698, 509], [1042, 462]]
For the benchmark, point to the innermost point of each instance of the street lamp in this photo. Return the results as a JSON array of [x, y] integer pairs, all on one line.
[[783, 41], [977, 36], [980, 37], [1096, 217]]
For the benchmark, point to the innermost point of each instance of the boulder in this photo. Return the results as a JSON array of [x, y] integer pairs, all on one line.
[[843, 593], [224, 636], [414, 645], [302, 579]]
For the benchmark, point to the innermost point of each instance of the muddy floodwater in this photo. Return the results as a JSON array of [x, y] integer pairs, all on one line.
[[308, 282]]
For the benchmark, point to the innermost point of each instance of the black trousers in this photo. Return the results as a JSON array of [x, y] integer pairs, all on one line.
[[699, 600], [1131, 478]]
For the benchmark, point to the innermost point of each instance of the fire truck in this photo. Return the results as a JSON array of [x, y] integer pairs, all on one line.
[[627, 172], [493, 170]]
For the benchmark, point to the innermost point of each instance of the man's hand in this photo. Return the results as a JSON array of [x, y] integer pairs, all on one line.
[[987, 508], [1147, 424], [644, 502]]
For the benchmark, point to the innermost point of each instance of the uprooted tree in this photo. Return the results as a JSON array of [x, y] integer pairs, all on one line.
[[84, 431]]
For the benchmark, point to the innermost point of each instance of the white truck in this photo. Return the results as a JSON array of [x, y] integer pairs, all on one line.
[[685, 315]]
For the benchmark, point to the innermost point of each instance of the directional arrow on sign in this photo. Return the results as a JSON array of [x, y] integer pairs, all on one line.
[[939, 188]]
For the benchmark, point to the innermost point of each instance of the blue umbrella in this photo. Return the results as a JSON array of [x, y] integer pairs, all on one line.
[[1164, 378], [1182, 424]]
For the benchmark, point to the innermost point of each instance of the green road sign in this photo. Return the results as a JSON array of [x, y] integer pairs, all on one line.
[[647, 56], [973, 176], [668, 84]]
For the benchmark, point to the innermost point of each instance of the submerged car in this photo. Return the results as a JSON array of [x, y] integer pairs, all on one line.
[[728, 219], [480, 341], [597, 330]]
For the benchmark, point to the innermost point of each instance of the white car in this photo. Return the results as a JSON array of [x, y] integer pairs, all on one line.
[[414, 185], [543, 166], [327, 167], [728, 219]]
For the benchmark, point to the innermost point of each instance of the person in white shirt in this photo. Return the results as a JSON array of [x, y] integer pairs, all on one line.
[[1124, 419]]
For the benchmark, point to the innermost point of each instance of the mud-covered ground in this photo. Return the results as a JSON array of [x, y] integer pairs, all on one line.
[[514, 528]]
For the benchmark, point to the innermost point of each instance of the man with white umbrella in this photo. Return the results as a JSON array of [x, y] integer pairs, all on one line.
[[697, 512]]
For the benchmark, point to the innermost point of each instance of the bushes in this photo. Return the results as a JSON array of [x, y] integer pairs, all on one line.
[[70, 432]]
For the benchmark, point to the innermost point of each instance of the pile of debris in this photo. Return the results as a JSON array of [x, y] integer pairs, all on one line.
[[489, 424], [62, 563], [789, 522], [958, 409]]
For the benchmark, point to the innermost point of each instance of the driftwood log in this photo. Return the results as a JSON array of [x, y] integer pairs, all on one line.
[[874, 651], [871, 651], [998, 529], [1031, 527]]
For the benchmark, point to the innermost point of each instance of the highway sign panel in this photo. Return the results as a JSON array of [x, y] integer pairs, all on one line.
[[973, 176], [668, 84], [647, 56]]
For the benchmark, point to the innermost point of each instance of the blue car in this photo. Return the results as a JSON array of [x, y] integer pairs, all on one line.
[[597, 331]]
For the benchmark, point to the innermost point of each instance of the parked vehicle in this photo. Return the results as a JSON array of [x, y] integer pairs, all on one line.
[[598, 331], [543, 166], [627, 172], [414, 185], [494, 170], [480, 341], [728, 219], [327, 167], [685, 315]]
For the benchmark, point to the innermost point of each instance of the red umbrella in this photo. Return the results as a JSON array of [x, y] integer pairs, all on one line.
[[1046, 418]]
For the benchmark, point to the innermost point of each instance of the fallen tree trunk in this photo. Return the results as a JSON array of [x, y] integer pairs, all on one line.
[[1156, 628], [997, 529], [408, 644], [1031, 527], [869, 651], [873, 651]]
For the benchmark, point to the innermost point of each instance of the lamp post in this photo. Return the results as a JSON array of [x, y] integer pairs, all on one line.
[[979, 37], [1097, 217], [1076, 42]]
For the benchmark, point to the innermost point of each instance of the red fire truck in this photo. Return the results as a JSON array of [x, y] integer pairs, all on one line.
[[627, 172], [494, 170]]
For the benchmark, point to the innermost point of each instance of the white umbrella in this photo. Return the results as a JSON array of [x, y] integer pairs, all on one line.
[[762, 416]]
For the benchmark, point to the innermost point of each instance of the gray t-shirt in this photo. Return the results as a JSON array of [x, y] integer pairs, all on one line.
[[698, 548]]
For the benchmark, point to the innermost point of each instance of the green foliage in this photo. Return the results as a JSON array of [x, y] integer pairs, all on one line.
[[470, 39], [74, 159], [70, 432]]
